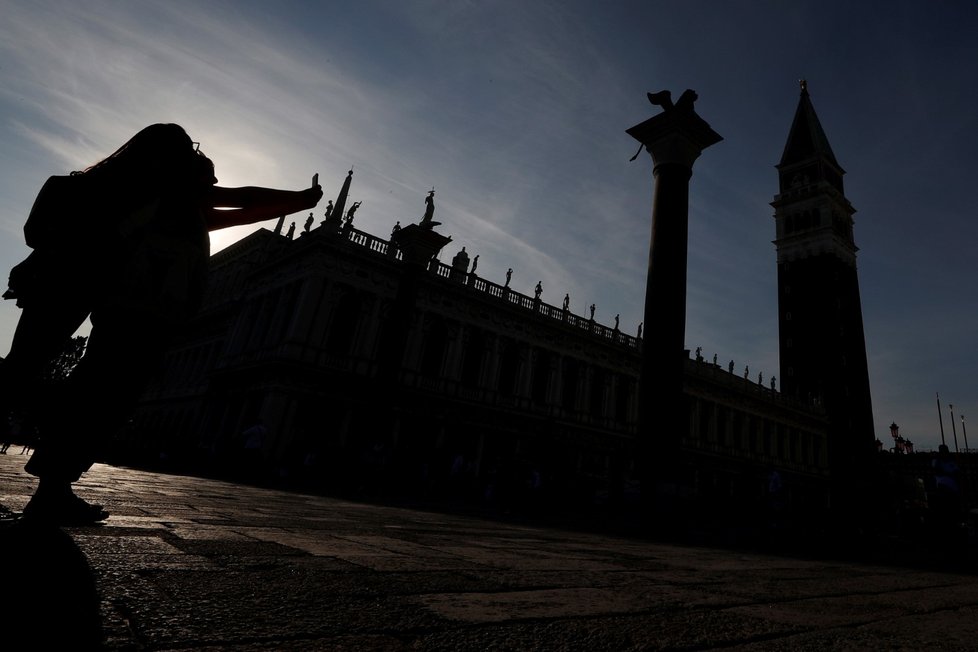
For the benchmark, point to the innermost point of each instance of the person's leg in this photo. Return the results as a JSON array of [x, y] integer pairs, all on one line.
[[43, 331], [124, 349]]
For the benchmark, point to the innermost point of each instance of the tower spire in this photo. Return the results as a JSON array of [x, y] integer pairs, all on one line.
[[806, 139], [336, 216]]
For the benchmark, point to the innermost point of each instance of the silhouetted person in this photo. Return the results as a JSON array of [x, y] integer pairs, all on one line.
[[9, 433], [945, 499], [13, 432], [253, 450], [29, 437], [131, 255]]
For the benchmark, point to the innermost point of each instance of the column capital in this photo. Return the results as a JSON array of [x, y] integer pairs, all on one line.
[[677, 135]]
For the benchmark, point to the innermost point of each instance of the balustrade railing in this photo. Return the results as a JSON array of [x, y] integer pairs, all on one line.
[[504, 293]]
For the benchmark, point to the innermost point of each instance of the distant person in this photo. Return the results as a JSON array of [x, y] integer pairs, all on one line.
[[946, 496], [23, 433], [9, 432], [124, 243], [253, 447]]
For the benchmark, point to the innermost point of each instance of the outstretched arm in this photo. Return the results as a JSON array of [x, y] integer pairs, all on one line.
[[252, 204]]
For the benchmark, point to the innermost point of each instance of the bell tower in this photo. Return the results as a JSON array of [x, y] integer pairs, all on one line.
[[822, 346]]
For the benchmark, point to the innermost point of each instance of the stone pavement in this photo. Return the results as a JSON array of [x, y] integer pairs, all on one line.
[[188, 563]]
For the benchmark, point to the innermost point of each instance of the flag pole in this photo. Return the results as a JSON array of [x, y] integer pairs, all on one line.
[[953, 429], [940, 419]]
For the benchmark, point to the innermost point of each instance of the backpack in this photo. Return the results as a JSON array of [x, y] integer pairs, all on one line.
[[59, 214], [58, 229]]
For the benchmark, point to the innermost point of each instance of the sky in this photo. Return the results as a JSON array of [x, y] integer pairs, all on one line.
[[515, 112]]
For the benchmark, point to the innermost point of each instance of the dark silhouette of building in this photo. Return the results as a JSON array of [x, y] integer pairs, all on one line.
[[822, 346], [378, 368]]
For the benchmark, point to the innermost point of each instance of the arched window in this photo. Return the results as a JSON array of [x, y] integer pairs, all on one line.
[[434, 346], [509, 364], [596, 399], [472, 358], [343, 326], [569, 382], [623, 398], [541, 377]]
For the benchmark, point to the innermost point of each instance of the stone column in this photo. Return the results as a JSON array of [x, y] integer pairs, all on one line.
[[674, 138]]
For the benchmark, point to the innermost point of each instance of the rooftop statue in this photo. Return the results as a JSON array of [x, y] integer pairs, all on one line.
[[429, 211], [664, 99]]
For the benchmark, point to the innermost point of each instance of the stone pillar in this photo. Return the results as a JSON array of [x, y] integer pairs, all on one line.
[[418, 246], [674, 138]]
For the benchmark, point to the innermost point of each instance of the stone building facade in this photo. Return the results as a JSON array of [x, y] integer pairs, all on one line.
[[371, 371], [491, 383]]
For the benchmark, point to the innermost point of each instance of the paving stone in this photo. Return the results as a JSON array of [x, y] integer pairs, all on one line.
[[192, 563]]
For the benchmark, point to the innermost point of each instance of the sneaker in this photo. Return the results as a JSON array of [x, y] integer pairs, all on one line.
[[64, 510]]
